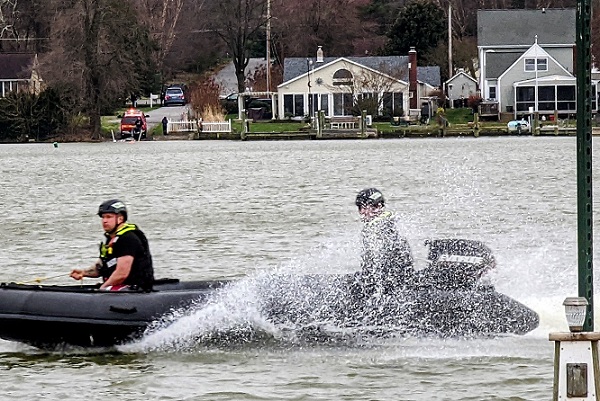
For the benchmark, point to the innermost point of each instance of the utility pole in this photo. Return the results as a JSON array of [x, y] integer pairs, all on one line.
[[269, 46], [450, 69]]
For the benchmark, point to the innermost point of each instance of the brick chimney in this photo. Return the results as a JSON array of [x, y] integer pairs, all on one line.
[[412, 78]]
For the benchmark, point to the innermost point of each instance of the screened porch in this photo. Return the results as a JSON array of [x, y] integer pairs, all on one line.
[[549, 94]]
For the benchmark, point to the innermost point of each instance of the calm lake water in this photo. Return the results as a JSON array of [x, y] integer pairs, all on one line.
[[220, 209]]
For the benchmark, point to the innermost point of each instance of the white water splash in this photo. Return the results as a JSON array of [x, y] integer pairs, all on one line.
[[232, 309]]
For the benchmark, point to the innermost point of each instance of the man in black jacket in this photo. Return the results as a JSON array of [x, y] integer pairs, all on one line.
[[125, 261]]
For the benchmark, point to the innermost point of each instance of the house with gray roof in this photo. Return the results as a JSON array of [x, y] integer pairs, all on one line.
[[526, 60], [459, 88], [19, 72], [335, 84]]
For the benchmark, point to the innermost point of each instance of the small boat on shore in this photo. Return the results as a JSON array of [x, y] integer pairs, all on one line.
[[445, 299]]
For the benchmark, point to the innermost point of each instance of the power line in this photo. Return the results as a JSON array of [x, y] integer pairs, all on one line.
[[24, 40]]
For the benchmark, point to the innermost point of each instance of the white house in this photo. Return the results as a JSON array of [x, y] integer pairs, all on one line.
[[336, 84], [18, 73]]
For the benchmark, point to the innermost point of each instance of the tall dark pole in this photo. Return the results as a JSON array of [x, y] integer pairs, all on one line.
[[308, 63], [584, 160]]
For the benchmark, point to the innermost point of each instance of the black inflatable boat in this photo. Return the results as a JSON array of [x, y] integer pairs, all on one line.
[[446, 298]]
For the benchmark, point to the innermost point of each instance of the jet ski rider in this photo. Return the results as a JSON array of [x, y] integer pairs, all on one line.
[[125, 261], [386, 256]]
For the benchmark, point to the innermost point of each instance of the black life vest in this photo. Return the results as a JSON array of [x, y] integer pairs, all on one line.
[[142, 272]]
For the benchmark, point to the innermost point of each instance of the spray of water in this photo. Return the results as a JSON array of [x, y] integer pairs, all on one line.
[[297, 304]]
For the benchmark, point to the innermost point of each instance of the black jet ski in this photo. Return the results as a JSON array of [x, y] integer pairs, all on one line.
[[449, 297], [446, 298]]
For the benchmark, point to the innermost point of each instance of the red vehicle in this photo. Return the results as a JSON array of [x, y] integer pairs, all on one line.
[[128, 128]]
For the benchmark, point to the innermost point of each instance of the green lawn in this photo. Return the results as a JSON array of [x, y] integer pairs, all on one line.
[[459, 116]]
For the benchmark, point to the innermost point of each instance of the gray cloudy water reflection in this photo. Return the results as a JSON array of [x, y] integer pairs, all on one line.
[[244, 210]]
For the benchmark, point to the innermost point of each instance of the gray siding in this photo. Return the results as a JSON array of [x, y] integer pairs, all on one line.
[[461, 87], [564, 56], [517, 74]]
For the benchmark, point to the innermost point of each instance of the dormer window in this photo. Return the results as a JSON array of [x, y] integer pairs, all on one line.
[[342, 77], [536, 64]]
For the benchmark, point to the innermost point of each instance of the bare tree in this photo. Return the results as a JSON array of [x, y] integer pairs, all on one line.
[[99, 50], [238, 23], [368, 88], [258, 79], [162, 17], [8, 15], [302, 26], [8, 11], [24, 25]]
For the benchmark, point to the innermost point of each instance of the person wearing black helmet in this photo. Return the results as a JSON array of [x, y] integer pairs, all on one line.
[[125, 261], [386, 257]]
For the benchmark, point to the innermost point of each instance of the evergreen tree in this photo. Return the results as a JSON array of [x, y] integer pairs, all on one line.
[[420, 24]]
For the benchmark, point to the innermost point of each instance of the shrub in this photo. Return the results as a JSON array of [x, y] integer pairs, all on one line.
[[26, 115], [473, 102], [204, 95]]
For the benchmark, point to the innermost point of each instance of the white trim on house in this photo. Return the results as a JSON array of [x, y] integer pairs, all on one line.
[[327, 96], [337, 60], [531, 53]]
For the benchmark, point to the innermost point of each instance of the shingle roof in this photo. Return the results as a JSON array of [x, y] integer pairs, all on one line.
[[296, 66], [498, 63], [519, 27], [16, 66]]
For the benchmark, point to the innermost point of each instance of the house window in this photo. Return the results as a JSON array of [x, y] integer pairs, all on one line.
[[342, 77], [342, 104], [392, 104], [293, 105], [546, 97], [299, 105], [542, 64], [398, 104], [565, 98], [492, 92], [313, 103], [325, 104], [525, 98]]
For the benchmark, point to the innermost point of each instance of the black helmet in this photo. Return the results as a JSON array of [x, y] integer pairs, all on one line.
[[113, 206], [369, 197]]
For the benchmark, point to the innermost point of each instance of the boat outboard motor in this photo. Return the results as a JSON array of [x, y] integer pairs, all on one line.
[[457, 263]]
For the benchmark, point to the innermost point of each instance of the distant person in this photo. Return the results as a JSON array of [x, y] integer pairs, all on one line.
[[139, 125], [133, 99], [386, 256], [165, 122], [125, 262], [162, 97]]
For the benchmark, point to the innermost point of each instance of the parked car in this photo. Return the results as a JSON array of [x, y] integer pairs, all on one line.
[[128, 123], [518, 126], [174, 95], [230, 103]]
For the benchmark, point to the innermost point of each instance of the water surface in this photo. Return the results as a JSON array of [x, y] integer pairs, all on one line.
[[218, 209]]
